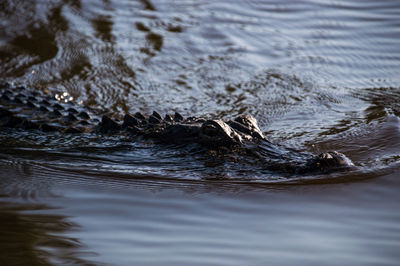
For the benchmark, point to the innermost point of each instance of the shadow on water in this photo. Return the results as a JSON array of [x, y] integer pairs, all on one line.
[[32, 42], [103, 26]]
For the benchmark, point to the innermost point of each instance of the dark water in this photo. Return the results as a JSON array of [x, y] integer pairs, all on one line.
[[318, 76]]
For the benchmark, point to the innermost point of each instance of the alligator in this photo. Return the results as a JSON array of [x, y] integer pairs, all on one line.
[[241, 138]]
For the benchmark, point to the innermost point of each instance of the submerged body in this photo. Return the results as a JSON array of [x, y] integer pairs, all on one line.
[[30, 109]]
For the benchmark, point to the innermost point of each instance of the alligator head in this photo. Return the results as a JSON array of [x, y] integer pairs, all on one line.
[[244, 130]]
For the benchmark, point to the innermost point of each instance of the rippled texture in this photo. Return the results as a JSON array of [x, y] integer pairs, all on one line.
[[317, 75]]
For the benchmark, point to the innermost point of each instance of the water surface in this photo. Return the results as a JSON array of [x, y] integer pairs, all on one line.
[[317, 75]]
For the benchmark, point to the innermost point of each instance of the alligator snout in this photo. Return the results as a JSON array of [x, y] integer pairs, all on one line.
[[330, 161]]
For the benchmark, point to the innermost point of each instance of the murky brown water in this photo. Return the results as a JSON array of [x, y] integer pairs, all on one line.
[[317, 75]]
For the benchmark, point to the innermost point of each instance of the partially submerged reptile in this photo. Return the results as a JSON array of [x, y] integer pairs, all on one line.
[[30, 109]]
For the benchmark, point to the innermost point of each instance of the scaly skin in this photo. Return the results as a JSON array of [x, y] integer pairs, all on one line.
[[31, 109]]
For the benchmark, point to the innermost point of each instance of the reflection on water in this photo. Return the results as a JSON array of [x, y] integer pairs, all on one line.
[[37, 238], [30, 233], [110, 220], [317, 75]]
